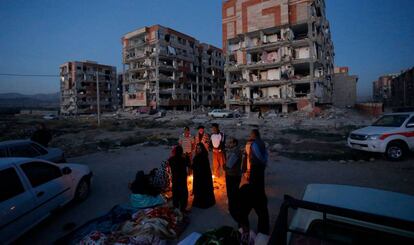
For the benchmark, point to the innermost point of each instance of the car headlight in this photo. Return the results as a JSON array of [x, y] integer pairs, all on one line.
[[373, 136]]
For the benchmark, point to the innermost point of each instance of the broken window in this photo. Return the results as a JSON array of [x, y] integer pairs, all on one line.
[[167, 37], [302, 90], [255, 57]]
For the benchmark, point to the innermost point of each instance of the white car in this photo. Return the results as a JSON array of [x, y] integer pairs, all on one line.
[[343, 214], [219, 113], [28, 148], [50, 117], [392, 134], [31, 189]]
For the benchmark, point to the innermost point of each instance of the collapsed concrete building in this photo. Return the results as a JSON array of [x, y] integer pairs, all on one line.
[[164, 68], [78, 87], [344, 88], [277, 53]]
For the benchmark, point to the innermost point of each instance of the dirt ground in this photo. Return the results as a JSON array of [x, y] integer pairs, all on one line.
[[320, 138], [114, 169], [302, 151]]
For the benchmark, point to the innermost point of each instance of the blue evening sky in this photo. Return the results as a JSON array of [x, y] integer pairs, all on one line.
[[372, 37]]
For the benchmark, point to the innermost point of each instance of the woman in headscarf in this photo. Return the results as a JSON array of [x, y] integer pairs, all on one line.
[[202, 180], [143, 193], [178, 164]]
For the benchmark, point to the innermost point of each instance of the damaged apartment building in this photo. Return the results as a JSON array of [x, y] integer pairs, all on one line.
[[78, 87], [277, 53], [164, 68]]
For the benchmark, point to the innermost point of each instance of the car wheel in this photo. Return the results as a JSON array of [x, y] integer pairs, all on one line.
[[82, 190], [395, 151]]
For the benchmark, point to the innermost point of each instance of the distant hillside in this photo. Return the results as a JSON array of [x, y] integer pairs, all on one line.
[[17, 100]]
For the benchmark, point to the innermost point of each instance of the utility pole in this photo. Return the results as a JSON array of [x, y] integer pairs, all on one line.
[[98, 106], [191, 97], [405, 95]]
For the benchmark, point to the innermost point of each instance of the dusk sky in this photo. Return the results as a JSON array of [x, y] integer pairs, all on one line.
[[372, 37]]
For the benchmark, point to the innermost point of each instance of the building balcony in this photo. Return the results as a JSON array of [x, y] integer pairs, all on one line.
[[135, 45], [139, 68], [139, 80], [262, 101], [239, 101], [136, 57], [175, 91], [165, 67], [269, 65], [267, 46], [174, 102], [269, 83]]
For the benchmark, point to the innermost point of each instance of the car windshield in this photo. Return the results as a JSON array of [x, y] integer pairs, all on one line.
[[391, 120]]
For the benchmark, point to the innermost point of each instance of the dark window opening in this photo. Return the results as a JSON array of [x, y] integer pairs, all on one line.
[[255, 57], [166, 73], [167, 37], [301, 90]]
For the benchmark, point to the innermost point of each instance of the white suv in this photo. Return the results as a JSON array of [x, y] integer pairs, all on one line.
[[392, 134], [31, 189]]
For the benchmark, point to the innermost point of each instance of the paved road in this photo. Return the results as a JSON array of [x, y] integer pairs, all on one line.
[[113, 170]]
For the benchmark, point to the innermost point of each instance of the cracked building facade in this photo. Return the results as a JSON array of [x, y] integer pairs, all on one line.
[[78, 88], [164, 68], [277, 53], [382, 89]]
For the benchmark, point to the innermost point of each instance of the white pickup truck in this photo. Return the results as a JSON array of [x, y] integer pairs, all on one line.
[[392, 134]]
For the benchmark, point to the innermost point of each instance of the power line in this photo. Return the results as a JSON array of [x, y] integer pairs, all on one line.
[[27, 75]]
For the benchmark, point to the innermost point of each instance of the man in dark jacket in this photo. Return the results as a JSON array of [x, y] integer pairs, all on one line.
[[233, 175], [253, 195], [42, 135]]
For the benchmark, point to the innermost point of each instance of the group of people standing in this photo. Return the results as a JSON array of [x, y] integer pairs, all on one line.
[[229, 161]]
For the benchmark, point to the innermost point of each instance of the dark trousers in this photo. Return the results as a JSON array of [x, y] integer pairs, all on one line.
[[253, 198], [180, 197], [232, 187]]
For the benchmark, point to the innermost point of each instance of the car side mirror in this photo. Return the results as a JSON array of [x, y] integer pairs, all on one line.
[[66, 170], [410, 125]]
